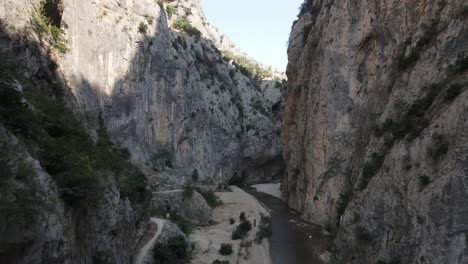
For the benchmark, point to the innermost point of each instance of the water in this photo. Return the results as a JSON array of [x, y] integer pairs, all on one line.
[[294, 241]]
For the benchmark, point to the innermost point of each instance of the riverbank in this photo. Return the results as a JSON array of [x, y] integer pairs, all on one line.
[[293, 240], [208, 240]]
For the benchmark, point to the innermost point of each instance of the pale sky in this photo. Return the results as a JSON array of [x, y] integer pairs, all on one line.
[[259, 28]]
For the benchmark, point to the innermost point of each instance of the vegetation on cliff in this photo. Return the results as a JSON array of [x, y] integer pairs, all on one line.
[[55, 137]]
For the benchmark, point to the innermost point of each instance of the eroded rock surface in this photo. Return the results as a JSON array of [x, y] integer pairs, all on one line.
[[375, 127]]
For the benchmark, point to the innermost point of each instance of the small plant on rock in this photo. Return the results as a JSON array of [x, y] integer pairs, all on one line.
[[264, 229], [143, 27], [226, 249], [241, 230]]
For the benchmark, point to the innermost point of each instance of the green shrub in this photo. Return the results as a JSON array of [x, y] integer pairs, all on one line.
[[185, 225], [210, 197], [48, 31], [264, 229], [241, 230], [232, 221], [142, 27], [226, 249], [184, 25], [174, 251], [171, 10], [149, 19], [246, 66], [242, 216], [63, 147]]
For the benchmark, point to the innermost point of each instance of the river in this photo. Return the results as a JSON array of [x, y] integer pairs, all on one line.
[[293, 240]]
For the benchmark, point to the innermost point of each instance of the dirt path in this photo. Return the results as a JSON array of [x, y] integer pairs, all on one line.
[[149, 239]]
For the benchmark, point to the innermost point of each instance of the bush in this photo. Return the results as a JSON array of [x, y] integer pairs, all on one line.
[[185, 225], [242, 216], [232, 221], [142, 27], [63, 147], [174, 251], [210, 197], [241, 230], [171, 10], [48, 31], [149, 19], [226, 249], [184, 25], [264, 229]]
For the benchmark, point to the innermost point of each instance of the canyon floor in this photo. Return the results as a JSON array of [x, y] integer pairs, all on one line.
[[208, 239]]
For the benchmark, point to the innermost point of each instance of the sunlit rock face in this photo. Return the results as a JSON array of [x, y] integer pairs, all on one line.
[[376, 115], [158, 84]]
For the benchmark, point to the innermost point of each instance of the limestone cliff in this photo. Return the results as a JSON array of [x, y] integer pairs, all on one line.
[[152, 73], [375, 127], [152, 76]]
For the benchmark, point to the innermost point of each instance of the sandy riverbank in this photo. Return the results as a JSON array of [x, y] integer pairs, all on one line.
[[208, 240]]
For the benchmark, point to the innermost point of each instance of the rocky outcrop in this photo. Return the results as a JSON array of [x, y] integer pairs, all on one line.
[[189, 204], [375, 127]]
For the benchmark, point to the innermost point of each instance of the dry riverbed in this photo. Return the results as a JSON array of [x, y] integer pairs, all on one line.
[[208, 239]]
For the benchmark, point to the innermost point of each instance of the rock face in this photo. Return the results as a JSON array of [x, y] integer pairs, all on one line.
[[154, 76], [375, 127], [151, 73], [38, 227], [193, 207]]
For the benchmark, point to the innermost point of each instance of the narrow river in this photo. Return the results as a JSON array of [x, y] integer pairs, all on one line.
[[294, 241]]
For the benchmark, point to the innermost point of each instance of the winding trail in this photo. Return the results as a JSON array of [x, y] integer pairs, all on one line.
[[149, 245]]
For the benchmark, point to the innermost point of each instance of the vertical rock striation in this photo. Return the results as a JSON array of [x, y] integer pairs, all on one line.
[[149, 72], [375, 127]]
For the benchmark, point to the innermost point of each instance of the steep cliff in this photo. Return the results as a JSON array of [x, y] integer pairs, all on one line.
[[375, 127], [152, 73], [89, 85]]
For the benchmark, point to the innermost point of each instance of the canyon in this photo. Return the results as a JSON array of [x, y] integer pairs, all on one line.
[[375, 127], [115, 114]]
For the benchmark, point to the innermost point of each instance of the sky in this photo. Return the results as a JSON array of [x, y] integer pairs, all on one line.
[[259, 28]]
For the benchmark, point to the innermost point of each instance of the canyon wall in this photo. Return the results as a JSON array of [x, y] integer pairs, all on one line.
[[375, 127], [147, 81], [165, 83]]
